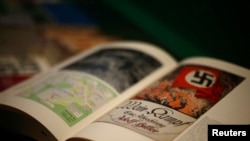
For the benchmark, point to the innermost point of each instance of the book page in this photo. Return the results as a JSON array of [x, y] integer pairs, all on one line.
[[77, 91], [176, 101], [232, 110]]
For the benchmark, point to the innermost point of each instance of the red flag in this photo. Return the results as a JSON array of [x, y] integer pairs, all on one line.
[[204, 80]]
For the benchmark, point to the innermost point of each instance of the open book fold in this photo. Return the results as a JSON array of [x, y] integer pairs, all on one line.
[[128, 90]]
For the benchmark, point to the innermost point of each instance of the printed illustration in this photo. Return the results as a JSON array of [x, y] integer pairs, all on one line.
[[191, 90], [166, 108], [121, 68], [71, 95]]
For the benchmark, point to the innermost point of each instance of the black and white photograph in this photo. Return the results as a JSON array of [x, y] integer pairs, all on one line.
[[121, 68]]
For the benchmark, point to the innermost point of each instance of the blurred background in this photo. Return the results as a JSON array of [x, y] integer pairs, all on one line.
[[37, 34]]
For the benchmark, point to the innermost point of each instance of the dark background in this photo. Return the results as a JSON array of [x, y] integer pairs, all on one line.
[[216, 28]]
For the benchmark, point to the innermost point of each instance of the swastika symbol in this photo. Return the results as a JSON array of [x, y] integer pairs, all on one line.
[[201, 78]]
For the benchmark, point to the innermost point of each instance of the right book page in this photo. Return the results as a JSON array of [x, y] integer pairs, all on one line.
[[179, 105], [233, 109]]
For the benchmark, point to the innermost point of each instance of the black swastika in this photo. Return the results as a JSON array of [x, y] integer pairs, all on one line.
[[202, 78]]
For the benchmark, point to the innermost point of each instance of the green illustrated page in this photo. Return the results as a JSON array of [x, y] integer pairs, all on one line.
[[71, 95], [81, 87]]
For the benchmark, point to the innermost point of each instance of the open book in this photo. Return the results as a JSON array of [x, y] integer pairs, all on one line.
[[128, 91]]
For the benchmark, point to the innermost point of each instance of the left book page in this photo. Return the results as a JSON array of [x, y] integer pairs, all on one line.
[[56, 104]]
